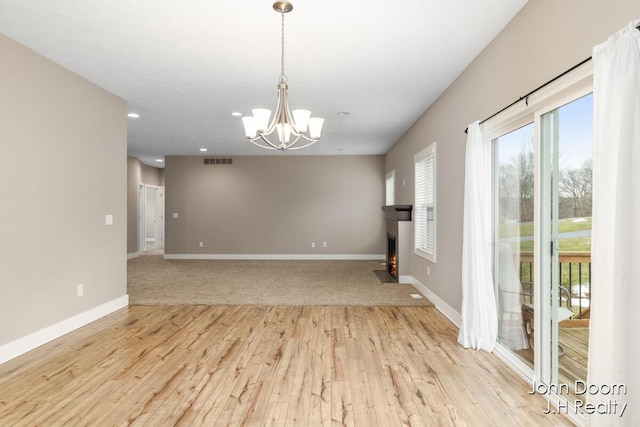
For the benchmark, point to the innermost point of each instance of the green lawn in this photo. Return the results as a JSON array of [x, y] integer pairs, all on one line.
[[579, 244]]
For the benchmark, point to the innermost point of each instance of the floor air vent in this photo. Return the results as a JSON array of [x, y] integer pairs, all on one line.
[[218, 161]]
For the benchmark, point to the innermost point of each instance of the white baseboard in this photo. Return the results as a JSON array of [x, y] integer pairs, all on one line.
[[27, 343], [343, 257], [442, 306], [133, 255]]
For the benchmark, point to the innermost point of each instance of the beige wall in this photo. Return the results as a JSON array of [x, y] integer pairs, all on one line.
[[138, 173], [546, 38], [63, 151], [275, 205]]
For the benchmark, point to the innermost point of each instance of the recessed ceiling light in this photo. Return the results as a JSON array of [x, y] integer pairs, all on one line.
[[203, 149], [133, 115], [159, 160], [343, 113], [236, 113]]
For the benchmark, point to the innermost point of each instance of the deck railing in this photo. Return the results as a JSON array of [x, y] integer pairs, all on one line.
[[575, 277]]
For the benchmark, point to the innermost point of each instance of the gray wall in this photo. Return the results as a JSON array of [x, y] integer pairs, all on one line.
[[546, 38], [275, 205], [138, 173], [63, 150]]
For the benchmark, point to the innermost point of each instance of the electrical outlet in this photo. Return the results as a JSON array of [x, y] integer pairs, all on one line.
[[80, 290], [313, 244], [201, 244], [428, 271], [324, 244]]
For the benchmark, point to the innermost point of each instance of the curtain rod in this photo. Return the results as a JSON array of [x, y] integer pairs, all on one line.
[[525, 97], [538, 88]]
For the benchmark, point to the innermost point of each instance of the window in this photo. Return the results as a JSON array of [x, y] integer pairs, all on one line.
[[390, 181], [425, 203]]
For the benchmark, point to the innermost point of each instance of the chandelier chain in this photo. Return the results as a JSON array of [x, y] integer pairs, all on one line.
[[283, 78]]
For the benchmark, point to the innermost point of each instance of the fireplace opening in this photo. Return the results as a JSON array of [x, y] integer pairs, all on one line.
[[398, 228], [392, 260]]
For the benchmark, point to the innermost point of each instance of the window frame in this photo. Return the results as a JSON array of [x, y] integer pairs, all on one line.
[[425, 237], [390, 188]]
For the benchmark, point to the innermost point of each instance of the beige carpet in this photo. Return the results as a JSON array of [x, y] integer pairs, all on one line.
[[153, 280]]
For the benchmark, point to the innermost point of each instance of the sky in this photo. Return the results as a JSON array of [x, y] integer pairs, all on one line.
[[575, 134]]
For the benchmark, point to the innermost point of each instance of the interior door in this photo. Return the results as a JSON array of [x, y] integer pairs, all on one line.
[[159, 218], [141, 219]]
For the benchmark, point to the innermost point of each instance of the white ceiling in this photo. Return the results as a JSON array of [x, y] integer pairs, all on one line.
[[186, 65]]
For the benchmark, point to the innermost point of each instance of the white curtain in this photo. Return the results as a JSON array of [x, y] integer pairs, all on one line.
[[479, 328], [614, 338], [509, 305]]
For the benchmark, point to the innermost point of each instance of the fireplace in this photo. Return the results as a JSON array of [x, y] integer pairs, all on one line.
[[398, 227], [392, 265]]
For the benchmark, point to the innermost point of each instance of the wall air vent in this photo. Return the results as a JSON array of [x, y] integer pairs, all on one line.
[[217, 161]]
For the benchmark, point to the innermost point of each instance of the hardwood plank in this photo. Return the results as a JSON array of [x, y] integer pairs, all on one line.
[[320, 400], [341, 401], [299, 401], [364, 413]]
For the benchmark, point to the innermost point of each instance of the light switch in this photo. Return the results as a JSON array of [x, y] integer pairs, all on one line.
[[175, 215], [108, 220]]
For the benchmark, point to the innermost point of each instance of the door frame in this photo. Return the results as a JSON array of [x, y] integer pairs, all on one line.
[[142, 219]]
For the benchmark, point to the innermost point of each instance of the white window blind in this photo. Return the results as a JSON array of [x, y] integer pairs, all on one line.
[[425, 203], [390, 188]]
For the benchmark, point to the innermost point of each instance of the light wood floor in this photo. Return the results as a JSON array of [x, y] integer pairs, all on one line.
[[265, 365]]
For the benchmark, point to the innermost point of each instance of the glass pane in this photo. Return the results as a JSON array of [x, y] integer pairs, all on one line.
[[572, 257], [514, 258]]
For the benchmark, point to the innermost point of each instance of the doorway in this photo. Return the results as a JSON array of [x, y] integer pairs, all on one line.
[[150, 218]]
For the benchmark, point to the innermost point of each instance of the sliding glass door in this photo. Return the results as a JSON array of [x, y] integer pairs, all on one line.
[[542, 237]]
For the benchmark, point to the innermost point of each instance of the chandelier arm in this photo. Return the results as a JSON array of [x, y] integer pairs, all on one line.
[[282, 113], [291, 144], [264, 147], [276, 115], [289, 119], [266, 140], [310, 139], [271, 146], [303, 146]]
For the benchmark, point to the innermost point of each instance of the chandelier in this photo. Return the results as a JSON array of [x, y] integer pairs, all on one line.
[[291, 127]]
